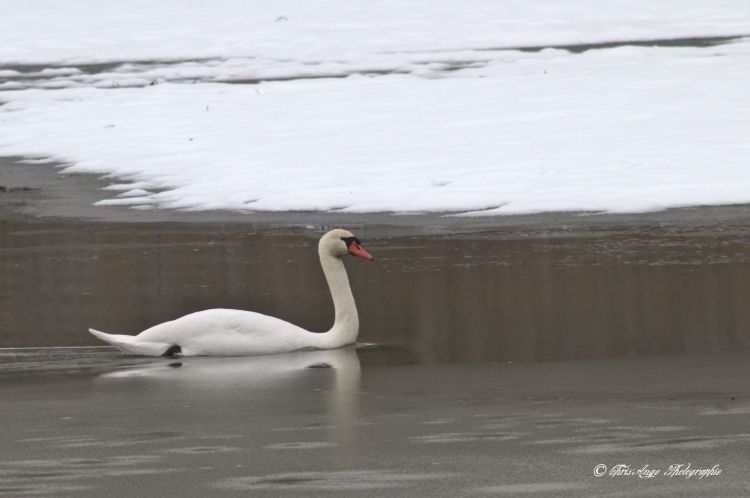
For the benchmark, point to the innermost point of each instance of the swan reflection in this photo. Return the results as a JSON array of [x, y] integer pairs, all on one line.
[[251, 371], [291, 382]]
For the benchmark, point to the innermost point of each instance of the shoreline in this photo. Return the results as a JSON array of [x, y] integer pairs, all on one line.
[[42, 191]]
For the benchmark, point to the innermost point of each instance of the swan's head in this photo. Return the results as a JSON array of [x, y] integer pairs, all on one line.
[[339, 243]]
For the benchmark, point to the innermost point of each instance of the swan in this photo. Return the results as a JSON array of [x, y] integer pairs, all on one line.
[[225, 332]]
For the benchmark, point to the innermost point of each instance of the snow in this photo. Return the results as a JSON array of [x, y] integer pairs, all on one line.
[[77, 31], [406, 106]]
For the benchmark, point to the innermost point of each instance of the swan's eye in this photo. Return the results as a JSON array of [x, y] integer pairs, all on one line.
[[349, 240]]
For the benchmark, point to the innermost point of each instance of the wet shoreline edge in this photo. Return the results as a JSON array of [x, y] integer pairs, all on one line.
[[45, 192]]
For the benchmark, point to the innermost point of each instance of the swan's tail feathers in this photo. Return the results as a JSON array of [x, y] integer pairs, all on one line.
[[131, 344]]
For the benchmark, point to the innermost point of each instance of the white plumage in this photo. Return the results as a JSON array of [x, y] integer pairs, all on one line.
[[226, 332]]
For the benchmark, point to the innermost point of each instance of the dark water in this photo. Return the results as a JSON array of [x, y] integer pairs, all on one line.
[[391, 417], [508, 295]]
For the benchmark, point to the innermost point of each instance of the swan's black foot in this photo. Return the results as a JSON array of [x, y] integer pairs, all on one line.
[[172, 351], [320, 365]]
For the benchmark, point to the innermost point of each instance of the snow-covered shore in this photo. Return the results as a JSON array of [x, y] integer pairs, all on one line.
[[402, 106], [85, 31]]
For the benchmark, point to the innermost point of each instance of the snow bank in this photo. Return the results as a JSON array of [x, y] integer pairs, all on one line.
[[85, 31], [623, 129]]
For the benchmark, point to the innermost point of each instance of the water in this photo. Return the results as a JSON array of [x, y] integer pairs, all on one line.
[[326, 422], [512, 294], [492, 362]]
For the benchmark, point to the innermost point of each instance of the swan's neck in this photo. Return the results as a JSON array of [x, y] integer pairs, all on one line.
[[346, 325]]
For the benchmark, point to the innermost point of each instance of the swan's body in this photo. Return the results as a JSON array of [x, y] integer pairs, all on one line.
[[225, 332]]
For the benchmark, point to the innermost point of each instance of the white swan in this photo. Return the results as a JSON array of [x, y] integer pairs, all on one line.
[[223, 332]]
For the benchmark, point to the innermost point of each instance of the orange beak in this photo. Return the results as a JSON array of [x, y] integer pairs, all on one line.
[[356, 250]]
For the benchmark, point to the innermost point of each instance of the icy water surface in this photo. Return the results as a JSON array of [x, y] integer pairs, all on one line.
[[328, 423], [443, 397]]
